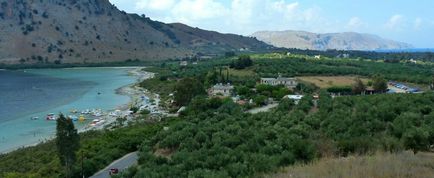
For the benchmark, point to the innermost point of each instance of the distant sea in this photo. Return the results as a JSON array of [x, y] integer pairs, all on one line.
[[35, 93], [413, 50]]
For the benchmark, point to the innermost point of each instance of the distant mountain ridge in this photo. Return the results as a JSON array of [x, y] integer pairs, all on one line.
[[339, 41], [94, 31]]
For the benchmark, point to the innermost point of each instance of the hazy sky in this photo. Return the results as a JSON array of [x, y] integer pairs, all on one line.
[[410, 21]]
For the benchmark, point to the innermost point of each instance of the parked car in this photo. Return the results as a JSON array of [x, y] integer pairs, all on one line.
[[114, 171]]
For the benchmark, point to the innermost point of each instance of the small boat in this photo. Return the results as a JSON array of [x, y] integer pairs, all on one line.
[[97, 114], [100, 122], [87, 111], [34, 118], [51, 117], [95, 122]]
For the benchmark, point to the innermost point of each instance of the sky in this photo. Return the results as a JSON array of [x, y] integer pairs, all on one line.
[[410, 21]]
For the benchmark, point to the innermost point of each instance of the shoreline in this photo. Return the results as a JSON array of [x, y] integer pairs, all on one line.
[[130, 90]]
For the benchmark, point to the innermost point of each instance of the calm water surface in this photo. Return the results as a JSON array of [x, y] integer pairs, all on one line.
[[35, 93]]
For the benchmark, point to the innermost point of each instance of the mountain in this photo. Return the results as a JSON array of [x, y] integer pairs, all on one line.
[[92, 31], [340, 41]]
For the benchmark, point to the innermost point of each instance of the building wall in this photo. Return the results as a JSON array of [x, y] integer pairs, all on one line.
[[215, 92], [289, 83]]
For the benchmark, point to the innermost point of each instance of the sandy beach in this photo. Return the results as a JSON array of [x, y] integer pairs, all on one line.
[[134, 92]]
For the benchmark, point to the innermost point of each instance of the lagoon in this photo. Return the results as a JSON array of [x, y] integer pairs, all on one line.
[[35, 93]]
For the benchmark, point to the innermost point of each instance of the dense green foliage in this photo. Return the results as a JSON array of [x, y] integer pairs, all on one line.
[[214, 71], [67, 143], [390, 56], [227, 144], [390, 122], [341, 90], [242, 62], [218, 140], [99, 149], [359, 87], [296, 66], [186, 89], [379, 83]]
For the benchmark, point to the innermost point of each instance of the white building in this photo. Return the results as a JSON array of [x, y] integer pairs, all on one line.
[[413, 61], [222, 90], [317, 57], [183, 63], [288, 82], [296, 98]]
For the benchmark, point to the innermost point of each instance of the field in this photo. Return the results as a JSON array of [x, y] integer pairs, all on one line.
[[242, 73], [381, 165], [329, 81]]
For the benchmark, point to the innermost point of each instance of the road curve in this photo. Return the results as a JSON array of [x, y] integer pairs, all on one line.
[[121, 164]]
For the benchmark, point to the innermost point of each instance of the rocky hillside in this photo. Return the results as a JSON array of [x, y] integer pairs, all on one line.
[[91, 31], [340, 41]]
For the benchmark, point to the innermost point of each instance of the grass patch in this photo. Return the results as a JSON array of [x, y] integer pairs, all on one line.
[[155, 85], [331, 81]]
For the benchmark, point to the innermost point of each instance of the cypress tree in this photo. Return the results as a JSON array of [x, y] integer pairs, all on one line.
[[358, 87], [67, 142]]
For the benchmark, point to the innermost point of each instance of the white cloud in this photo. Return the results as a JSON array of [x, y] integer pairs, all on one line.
[[236, 16], [247, 16], [154, 4], [395, 22], [193, 10], [417, 23], [355, 23]]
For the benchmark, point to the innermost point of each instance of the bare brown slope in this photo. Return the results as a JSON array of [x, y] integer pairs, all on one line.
[[380, 165], [78, 31]]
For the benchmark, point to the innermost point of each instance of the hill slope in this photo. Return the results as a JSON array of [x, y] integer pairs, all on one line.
[[83, 31], [340, 41], [398, 165]]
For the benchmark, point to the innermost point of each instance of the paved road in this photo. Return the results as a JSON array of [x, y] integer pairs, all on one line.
[[121, 164], [262, 109]]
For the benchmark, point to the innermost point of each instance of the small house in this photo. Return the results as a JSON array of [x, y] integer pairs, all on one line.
[[221, 90], [317, 57], [288, 82]]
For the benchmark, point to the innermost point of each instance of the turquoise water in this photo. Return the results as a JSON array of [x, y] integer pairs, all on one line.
[[37, 92]]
